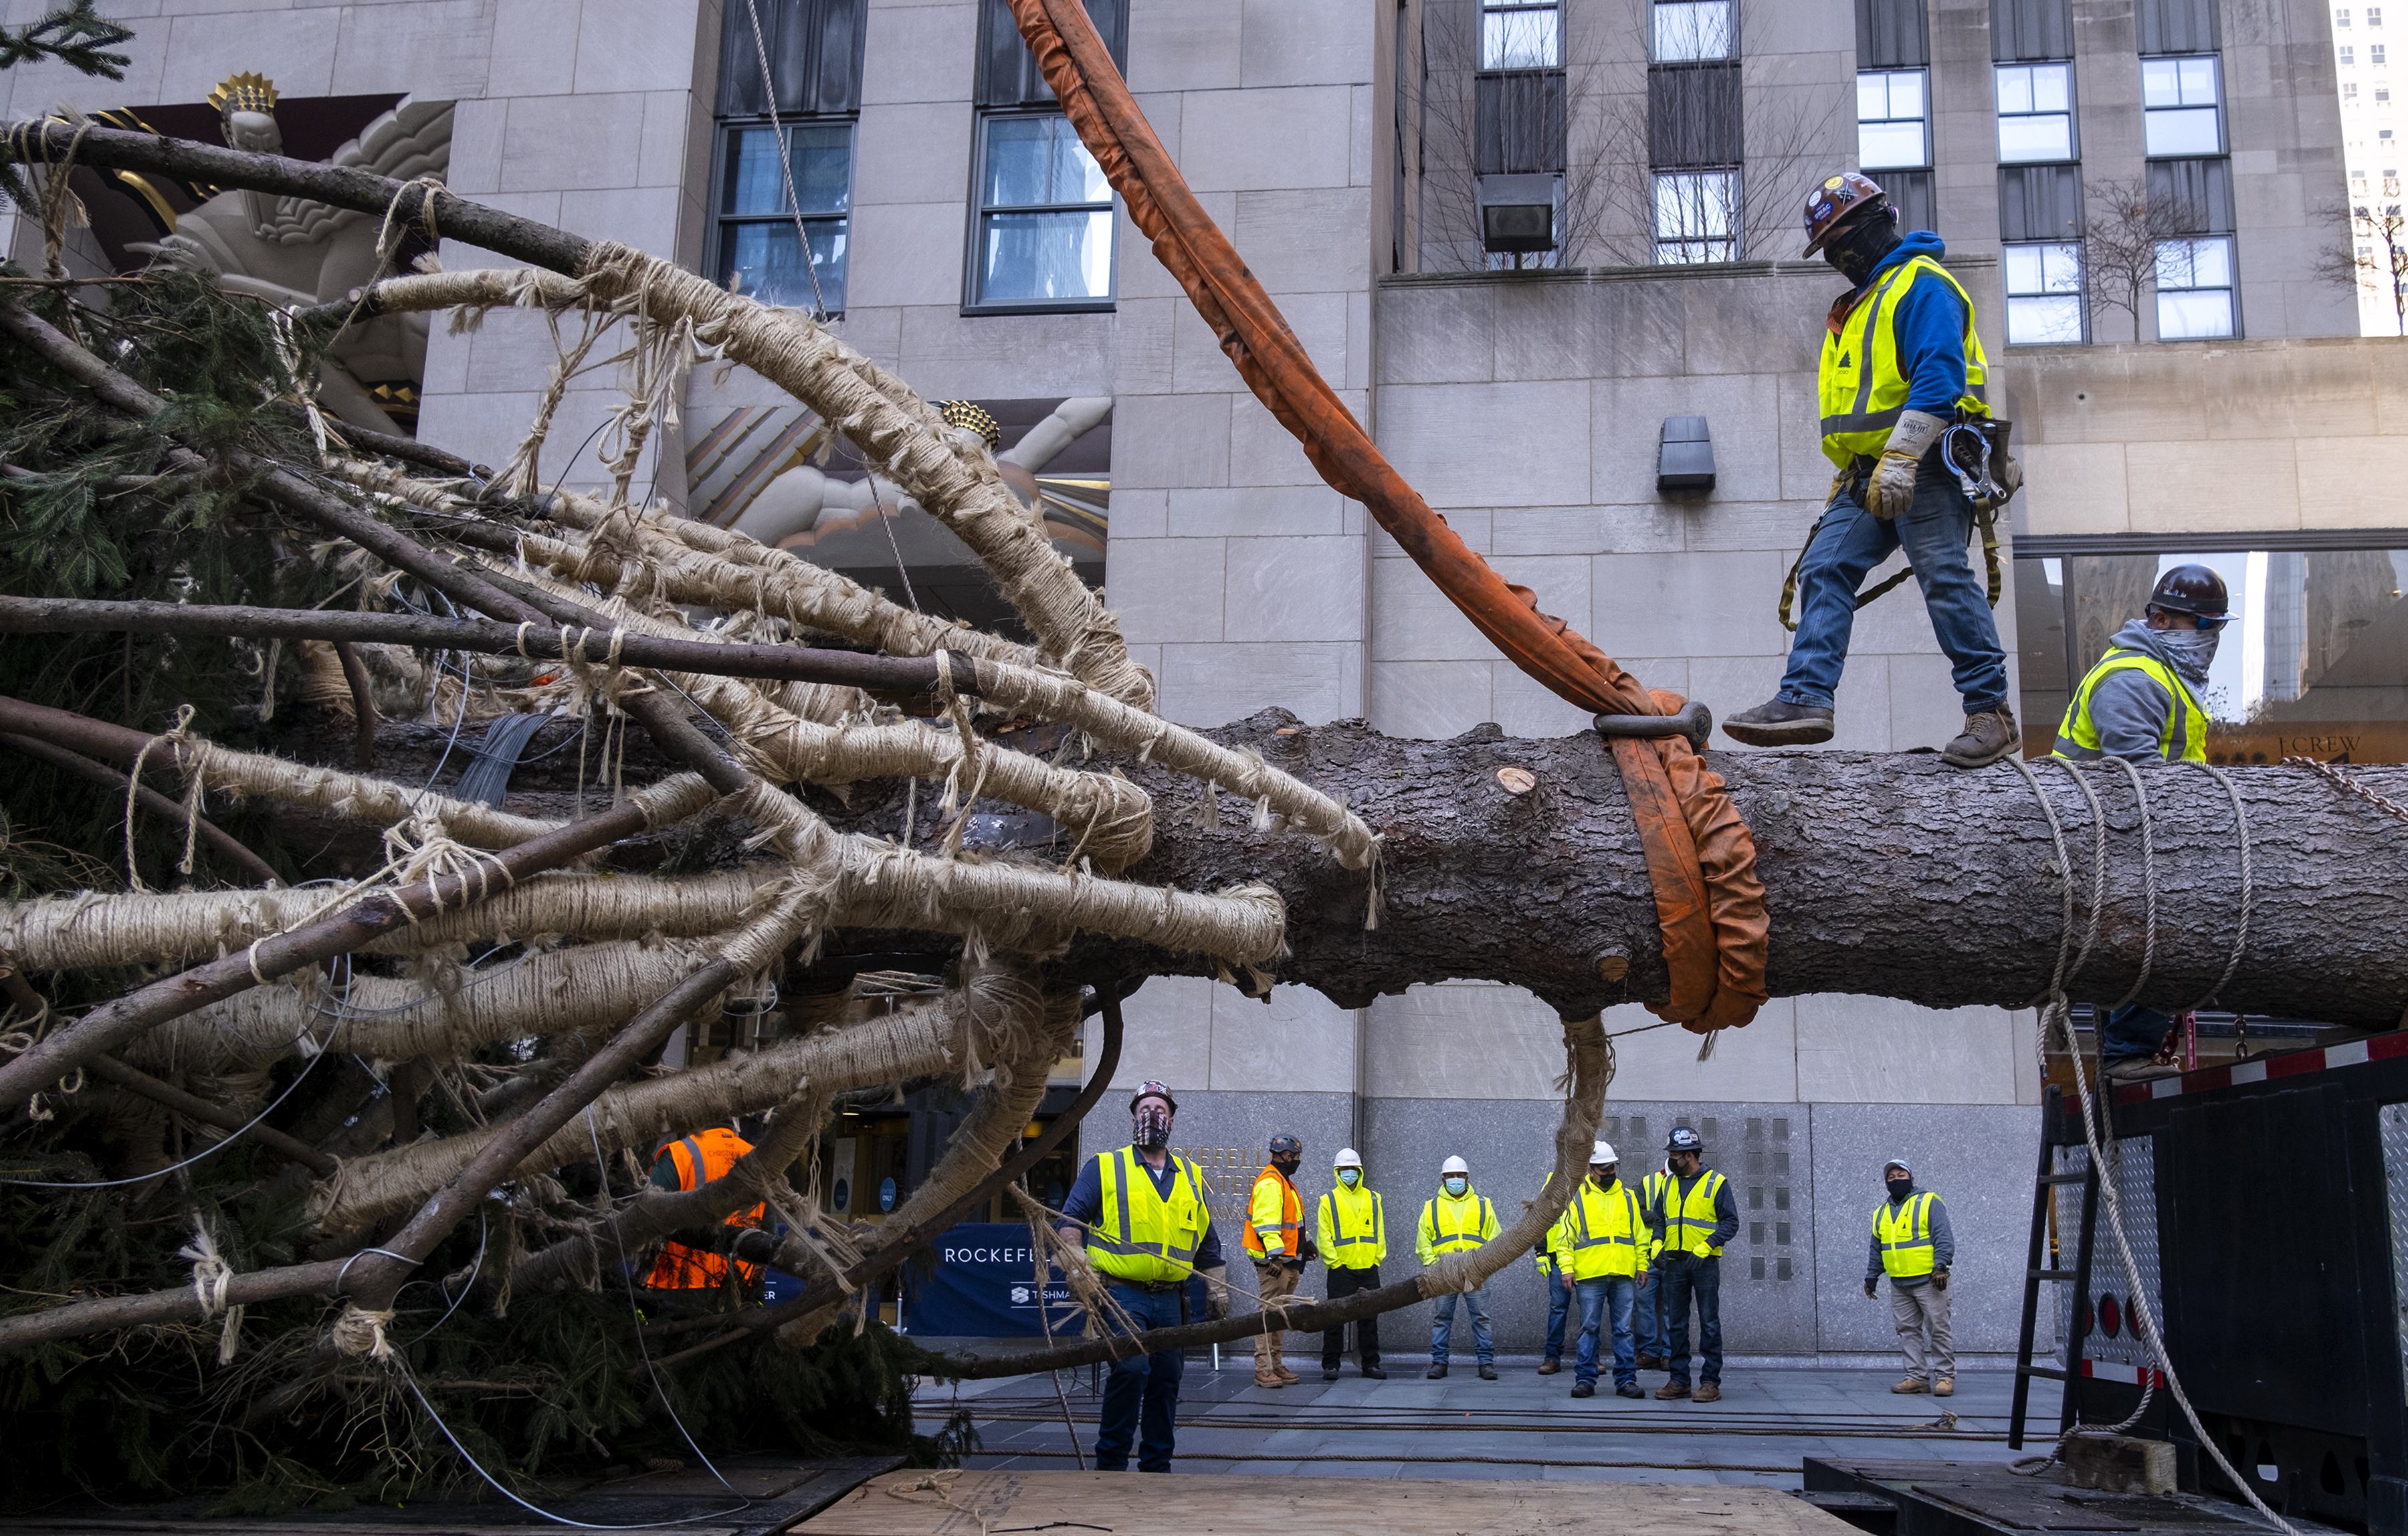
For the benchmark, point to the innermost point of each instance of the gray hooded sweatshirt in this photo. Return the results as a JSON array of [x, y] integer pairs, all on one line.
[[2129, 707]]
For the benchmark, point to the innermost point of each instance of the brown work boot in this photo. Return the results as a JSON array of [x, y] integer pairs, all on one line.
[[1651, 1362], [1709, 1392], [1286, 1377], [1265, 1376], [1944, 1388], [1671, 1390], [1988, 736], [1549, 1366], [1911, 1384]]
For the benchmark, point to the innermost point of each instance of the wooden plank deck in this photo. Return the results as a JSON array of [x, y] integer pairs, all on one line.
[[955, 1504]]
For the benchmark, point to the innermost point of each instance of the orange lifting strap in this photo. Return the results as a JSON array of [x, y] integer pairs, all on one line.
[[1700, 858]]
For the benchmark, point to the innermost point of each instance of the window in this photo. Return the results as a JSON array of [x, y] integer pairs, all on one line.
[[1518, 35], [2194, 289], [1045, 217], [1892, 113], [2348, 55], [785, 187], [2035, 112], [2179, 100], [2043, 294], [1042, 235], [761, 232], [1697, 217], [2341, 20], [2375, 53], [2349, 91], [1691, 31]]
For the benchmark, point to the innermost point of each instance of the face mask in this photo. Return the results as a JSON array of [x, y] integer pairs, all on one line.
[[2196, 648], [1348, 1177], [1901, 1188], [1287, 1166], [1855, 252], [1600, 1178], [1457, 1183], [1151, 1124]]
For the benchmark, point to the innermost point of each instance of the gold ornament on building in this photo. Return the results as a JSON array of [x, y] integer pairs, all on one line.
[[248, 92], [972, 417]]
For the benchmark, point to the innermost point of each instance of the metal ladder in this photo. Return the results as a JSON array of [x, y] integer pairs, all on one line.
[[2037, 1274]]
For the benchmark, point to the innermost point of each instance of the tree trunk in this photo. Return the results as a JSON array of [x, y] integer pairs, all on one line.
[[1885, 874]]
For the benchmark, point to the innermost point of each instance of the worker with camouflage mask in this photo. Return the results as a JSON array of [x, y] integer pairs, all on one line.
[[1905, 417], [1142, 1213]]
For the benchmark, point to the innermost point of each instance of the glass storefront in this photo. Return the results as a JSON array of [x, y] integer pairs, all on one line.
[[2314, 664]]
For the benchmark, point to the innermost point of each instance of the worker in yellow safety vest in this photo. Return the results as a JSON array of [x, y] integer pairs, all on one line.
[[1914, 1245], [1603, 1247], [1648, 1325], [1456, 1220], [1141, 1211], [690, 1162], [1693, 1216], [2141, 703], [1275, 1241], [1352, 1229], [1905, 414]]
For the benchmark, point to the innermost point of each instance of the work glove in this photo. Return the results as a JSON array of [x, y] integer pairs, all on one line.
[[1217, 1299], [1872, 1288], [1940, 1280], [2009, 476], [1891, 491]]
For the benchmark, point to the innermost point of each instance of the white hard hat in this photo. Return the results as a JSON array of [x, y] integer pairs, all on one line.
[[1603, 1152], [1455, 1165], [1347, 1158]]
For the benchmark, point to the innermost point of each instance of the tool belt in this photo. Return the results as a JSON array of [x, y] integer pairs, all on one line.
[[1974, 450]]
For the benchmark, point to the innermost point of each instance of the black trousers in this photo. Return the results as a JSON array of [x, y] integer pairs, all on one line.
[[1342, 1284]]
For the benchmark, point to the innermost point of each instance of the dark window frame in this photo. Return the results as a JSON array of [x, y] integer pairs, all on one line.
[[980, 211], [824, 90], [1007, 86]]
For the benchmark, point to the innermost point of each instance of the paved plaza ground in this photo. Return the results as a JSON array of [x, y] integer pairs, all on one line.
[[1520, 1426]]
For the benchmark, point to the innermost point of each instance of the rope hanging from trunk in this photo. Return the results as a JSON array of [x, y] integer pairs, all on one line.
[[1701, 856]]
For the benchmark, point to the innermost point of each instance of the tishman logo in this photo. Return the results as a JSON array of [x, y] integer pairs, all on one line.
[[987, 1255]]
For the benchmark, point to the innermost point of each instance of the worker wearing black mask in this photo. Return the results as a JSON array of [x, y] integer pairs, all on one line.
[[1914, 1246], [1901, 366]]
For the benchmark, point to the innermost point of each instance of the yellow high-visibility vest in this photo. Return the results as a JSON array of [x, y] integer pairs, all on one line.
[[1452, 1225], [1354, 1229], [1904, 1234], [2077, 734], [1863, 388], [1601, 1232], [1689, 1220], [1139, 1236]]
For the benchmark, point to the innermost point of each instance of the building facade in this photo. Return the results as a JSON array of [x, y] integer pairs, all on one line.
[[2136, 192]]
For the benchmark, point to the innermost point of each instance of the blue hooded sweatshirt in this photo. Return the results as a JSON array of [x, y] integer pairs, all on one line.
[[1930, 329]]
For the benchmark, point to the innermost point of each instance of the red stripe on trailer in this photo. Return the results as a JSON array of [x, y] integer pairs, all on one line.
[[2355, 1053], [2112, 1370]]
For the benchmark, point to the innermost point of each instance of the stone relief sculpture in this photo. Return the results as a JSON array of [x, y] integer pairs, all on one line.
[[293, 251]]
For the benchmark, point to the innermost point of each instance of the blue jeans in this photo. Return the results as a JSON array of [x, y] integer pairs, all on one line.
[[1442, 1326], [1619, 1292], [2132, 1031], [1648, 1318], [1849, 543], [1681, 1278], [1142, 1387], [1559, 1301]]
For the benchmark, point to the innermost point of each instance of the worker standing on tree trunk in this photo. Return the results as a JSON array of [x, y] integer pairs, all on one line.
[[1457, 1220], [1147, 1230], [1602, 1246], [1901, 368], [1693, 1216], [1913, 1245], [1353, 1230], [2141, 703], [1275, 1241]]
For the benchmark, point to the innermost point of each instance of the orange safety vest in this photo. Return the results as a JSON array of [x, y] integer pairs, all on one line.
[[704, 1156], [1291, 1222]]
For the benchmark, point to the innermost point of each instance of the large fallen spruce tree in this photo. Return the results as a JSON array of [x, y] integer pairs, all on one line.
[[328, 1093]]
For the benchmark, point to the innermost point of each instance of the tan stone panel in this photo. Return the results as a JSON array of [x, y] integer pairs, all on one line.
[[2237, 484], [2351, 482], [2074, 488]]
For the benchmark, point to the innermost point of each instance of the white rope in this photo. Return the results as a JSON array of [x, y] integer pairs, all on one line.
[[2056, 1014]]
